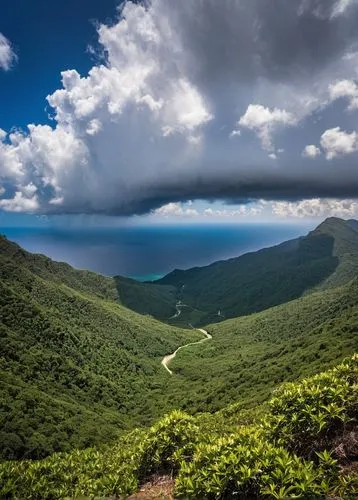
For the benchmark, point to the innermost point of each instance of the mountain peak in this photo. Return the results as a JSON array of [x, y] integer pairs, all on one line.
[[343, 232], [331, 226], [331, 222]]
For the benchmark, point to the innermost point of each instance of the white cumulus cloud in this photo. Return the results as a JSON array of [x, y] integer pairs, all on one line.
[[136, 117], [311, 151], [175, 210], [3, 135], [225, 213], [249, 210], [347, 89], [316, 207], [265, 122], [7, 54], [20, 203], [235, 133], [337, 142]]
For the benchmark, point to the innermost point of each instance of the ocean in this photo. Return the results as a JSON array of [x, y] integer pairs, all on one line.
[[147, 253]]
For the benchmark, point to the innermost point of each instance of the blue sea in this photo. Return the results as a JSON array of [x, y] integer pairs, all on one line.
[[147, 253]]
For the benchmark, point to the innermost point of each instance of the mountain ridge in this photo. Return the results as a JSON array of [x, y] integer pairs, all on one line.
[[77, 367], [326, 256]]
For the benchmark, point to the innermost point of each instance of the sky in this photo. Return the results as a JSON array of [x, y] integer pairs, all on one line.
[[200, 110]]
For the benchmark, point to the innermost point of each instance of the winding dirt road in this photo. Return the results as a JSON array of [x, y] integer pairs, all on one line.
[[167, 359], [178, 310]]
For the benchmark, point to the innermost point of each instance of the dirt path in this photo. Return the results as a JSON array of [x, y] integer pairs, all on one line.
[[168, 358], [178, 310]]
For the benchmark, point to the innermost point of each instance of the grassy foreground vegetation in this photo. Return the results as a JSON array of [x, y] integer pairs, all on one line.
[[303, 445]]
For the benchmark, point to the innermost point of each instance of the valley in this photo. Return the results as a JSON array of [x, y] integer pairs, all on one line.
[[169, 357], [87, 359]]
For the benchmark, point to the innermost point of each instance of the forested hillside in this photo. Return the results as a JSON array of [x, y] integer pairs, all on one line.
[[75, 366], [326, 257], [248, 356], [147, 298]]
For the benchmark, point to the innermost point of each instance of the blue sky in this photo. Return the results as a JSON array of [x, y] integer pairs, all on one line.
[[48, 37], [179, 111]]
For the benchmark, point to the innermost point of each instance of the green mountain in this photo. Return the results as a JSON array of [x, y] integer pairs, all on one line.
[[77, 368], [75, 365], [326, 257], [249, 355]]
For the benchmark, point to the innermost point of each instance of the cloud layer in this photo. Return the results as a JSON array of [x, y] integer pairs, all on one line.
[[197, 100]]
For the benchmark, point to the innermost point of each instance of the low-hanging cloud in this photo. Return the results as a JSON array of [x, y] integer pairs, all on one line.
[[154, 123]]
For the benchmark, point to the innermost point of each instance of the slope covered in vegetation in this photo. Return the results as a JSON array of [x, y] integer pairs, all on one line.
[[303, 446], [248, 356], [326, 257], [147, 298], [75, 366]]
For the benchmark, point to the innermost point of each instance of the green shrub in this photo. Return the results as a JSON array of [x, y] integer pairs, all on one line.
[[286, 454], [171, 439], [306, 417], [112, 470], [246, 465], [90, 473]]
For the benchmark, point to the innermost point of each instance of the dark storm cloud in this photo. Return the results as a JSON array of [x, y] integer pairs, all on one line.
[[239, 41], [240, 189]]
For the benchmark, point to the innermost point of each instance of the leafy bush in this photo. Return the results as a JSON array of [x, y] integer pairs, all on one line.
[[112, 470], [213, 457], [247, 465], [81, 473], [172, 438], [307, 417]]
